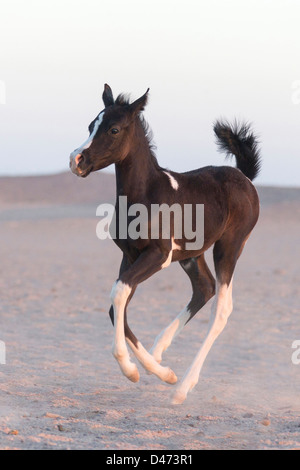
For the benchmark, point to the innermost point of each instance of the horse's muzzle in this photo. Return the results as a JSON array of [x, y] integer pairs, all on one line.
[[76, 165]]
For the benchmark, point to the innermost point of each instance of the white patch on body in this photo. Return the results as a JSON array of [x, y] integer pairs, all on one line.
[[173, 181], [175, 246], [168, 260]]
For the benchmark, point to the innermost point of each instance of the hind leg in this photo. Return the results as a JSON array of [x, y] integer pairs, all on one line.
[[226, 253], [203, 285]]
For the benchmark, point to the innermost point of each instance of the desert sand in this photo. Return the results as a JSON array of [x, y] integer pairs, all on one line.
[[61, 388]]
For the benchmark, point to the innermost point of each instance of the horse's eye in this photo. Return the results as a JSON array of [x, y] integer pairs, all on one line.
[[114, 131]]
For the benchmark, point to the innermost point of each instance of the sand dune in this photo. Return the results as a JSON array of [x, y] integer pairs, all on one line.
[[61, 388], [62, 188]]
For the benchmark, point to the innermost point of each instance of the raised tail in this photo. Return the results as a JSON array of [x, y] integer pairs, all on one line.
[[239, 140]]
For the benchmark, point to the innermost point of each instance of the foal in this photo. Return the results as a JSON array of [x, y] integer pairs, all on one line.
[[119, 135]]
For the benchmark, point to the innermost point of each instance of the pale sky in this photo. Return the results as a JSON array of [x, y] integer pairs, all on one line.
[[201, 59]]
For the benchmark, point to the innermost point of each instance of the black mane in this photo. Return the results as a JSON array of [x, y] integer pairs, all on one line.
[[124, 100]]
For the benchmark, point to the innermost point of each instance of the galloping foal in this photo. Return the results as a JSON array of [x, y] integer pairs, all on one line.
[[119, 135]]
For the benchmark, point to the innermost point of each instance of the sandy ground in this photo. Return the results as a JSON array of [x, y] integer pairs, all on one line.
[[61, 388]]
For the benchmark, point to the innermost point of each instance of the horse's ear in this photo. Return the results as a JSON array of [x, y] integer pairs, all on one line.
[[107, 96], [139, 105]]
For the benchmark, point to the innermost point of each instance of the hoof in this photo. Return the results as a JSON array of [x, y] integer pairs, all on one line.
[[134, 376], [178, 398], [171, 377]]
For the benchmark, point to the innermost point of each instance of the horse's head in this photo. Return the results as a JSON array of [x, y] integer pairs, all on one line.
[[111, 135]]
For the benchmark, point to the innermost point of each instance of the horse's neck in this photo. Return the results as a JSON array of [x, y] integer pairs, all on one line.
[[136, 172]]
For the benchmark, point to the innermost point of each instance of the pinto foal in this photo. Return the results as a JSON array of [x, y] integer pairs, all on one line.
[[119, 135]]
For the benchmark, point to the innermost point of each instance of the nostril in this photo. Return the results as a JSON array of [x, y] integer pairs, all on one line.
[[78, 159]]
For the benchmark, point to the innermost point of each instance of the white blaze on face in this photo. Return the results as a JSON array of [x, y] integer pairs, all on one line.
[[89, 141]]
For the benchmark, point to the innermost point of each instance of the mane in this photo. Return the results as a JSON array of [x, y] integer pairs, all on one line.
[[124, 100]]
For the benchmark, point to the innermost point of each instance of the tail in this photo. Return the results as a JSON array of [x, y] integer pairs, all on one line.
[[239, 140]]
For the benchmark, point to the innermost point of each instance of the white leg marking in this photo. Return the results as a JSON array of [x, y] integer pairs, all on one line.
[[151, 365], [165, 338], [173, 181], [119, 295], [221, 309]]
